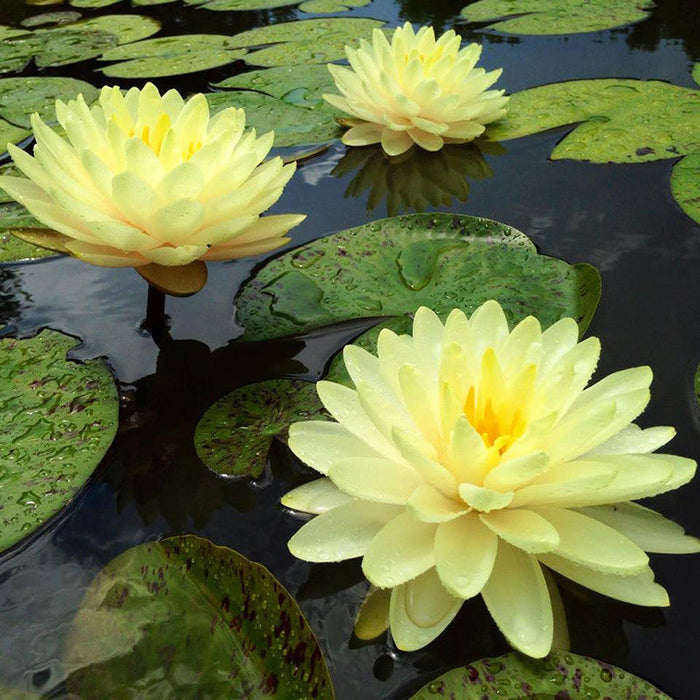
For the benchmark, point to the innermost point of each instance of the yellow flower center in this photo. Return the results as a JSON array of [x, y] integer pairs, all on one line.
[[153, 134]]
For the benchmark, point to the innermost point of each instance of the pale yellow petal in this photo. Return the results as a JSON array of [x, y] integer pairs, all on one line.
[[524, 529], [377, 480], [483, 499], [431, 506], [316, 497]]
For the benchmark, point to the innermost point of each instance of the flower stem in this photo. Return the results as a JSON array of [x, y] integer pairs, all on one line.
[[155, 312]]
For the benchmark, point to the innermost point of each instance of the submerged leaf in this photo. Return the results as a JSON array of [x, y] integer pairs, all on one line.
[[557, 16], [559, 675], [624, 121], [234, 435], [59, 417], [185, 618], [393, 266]]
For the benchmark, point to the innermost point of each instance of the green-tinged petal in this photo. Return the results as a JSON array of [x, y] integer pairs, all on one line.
[[646, 528], [373, 615], [526, 618], [316, 497], [465, 551], [515, 473], [634, 440], [638, 590], [377, 479], [560, 636], [588, 542], [433, 472], [431, 506], [522, 528], [322, 443], [402, 550], [342, 533], [483, 499], [420, 610]]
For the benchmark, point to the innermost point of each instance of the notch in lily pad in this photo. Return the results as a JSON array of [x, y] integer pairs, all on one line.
[[202, 620], [393, 266]]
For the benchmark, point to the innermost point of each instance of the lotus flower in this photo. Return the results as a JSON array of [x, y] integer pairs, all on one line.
[[415, 90], [148, 179], [469, 458]]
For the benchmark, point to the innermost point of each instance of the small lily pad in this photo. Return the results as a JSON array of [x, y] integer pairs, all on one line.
[[286, 99], [59, 417], [21, 97], [560, 675], [393, 266], [189, 619], [234, 435], [171, 55], [233, 5], [624, 121], [685, 185], [60, 17], [304, 41], [557, 16], [331, 6]]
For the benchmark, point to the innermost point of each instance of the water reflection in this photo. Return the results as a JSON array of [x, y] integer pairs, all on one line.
[[13, 299], [417, 179]]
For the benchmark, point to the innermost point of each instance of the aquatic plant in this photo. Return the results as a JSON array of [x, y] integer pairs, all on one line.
[[415, 90], [468, 456]]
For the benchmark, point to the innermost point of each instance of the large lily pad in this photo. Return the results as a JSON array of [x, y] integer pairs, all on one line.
[[624, 121], [393, 266], [58, 417], [20, 97], [304, 41], [331, 6], [234, 435], [184, 618], [416, 179], [13, 249], [70, 43], [685, 185], [9, 133], [287, 99], [171, 55], [560, 675], [557, 16]]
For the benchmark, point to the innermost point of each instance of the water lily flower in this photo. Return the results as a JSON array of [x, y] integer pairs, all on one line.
[[143, 180], [468, 458], [415, 90]]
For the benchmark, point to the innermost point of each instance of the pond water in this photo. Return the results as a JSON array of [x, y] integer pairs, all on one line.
[[620, 218]]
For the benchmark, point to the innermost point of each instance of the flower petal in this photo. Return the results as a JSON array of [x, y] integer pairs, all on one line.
[[431, 506], [524, 529], [374, 479], [373, 615], [524, 619], [465, 551], [514, 473], [317, 496], [483, 499]]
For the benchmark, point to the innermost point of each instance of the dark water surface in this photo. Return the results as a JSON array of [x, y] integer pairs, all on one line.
[[620, 218]]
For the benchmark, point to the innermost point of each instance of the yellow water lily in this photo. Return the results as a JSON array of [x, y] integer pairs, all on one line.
[[468, 458], [142, 178], [415, 90]]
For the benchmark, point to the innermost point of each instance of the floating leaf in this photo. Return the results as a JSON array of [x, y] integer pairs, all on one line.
[[685, 185], [557, 16], [560, 675], [33, 243], [20, 97], [60, 17], [179, 281], [393, 266], [329, 6], [13, 249], [59, 417], [226, 5], [93, 4], [416, 179], [287, 99], [625, 121], [304, 41], [234, 435], [15, 694], [171, 55], [185, 618], [9, 133], [126, 28]]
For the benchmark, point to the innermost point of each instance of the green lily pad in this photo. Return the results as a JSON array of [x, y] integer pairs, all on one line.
[[235, 434], [228, 5], [560, 675], [624, 121], [9, 133], [304, 41], [287, 99], [330, 6], [15, 694], [393, 266], [93, 4], [59, 418], [60, 17], [685, 185], [126, 28], [171, 55], [20, 97], [557, 16], [416, 179], [184, 618], [12, 248]]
